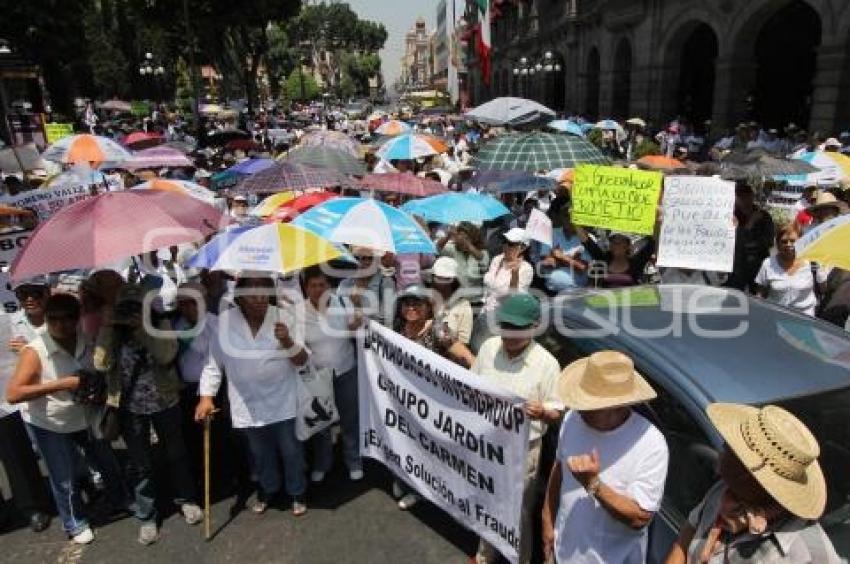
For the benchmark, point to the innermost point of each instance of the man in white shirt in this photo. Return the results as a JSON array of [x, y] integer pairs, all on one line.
[[515, 362], [610, 467]]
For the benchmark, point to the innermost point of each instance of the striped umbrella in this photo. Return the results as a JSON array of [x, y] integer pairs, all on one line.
[[85, 148], [393, 127], [327, 158], [157, 157], [332, 140], [180, 187], [268, 205], [834, 168], [284, 176], [402, 183], [537, 151], [408, 147]]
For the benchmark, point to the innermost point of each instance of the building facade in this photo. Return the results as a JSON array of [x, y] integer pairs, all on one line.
[[774, 61], [416, 57], [440, 42]]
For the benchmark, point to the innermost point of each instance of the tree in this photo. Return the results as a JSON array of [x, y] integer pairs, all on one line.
[[107, 62], [293, 87]]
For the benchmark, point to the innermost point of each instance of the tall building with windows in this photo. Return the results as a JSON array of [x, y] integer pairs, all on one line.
[[773, 61], [415, 60]]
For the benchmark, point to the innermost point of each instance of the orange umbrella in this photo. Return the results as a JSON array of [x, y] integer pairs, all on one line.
[[85, 148], [660, 162]]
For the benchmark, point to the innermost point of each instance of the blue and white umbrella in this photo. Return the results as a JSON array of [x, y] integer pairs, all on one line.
[[566, 126], [455, 207], [406, 147], [367, 223]]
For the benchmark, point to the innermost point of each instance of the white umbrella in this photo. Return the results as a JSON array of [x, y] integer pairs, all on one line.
[[510, 111]]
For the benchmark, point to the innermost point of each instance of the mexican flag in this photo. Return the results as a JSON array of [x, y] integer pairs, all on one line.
[[482, 43]]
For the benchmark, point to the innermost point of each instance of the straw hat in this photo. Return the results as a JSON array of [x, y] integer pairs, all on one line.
[[603, 380], [778, 450], [825, 200]]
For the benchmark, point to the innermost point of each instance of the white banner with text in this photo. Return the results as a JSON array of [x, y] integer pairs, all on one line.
[[457, 440]]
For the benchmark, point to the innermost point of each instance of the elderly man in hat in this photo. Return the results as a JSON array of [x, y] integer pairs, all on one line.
[[610, 467], [515, 362], [770, 494]]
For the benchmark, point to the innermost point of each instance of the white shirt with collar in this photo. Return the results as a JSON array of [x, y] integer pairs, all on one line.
[[261, 382]]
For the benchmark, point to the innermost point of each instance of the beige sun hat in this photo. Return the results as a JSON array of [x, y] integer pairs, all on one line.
[[778, 450], [826, 199], [603, 380]]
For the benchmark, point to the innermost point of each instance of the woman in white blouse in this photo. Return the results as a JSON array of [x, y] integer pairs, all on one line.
[[258, 353], [327, 333], [509, 273], [785, 279]]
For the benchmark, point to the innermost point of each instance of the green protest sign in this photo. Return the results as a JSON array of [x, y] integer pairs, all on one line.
[[53, 132], [139, 109], [621, 199]]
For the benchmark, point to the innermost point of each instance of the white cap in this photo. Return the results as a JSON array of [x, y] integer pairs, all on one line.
[[517, 235], [444, 267], [832, 142]]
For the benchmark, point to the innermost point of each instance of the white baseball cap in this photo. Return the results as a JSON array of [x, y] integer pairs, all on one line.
[[517, 235], [444, 267]]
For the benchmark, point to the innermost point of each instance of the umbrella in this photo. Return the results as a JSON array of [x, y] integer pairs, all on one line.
[[268, 205], [76, 177], [117, 106], [274, 247], [182, 146], [509, 111], [332, 140], [250, 166], [537, 151], [636, 121], [244, 145], [402, 183], [111, 227], [455, 207], [367, 223], [157, 157], [566, 126], [827, 243], [142, 140], [393, 127], [611, 125], [758, 163], [327, 158], [408, 147], [283, 176], [522, 182], [220, 138], [293, 208], [85, 148], [831, 168], [183, 187], [662, 163]]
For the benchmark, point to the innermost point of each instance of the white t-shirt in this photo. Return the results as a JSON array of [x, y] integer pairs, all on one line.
[[497, 282], [328, 337], [795, 291], [633, 458]]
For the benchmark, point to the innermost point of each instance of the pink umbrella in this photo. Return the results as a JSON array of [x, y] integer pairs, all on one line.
[[142, 140], [402, 183], [156, 157], [113, 226]]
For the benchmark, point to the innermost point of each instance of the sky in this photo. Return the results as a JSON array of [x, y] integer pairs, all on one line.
[[398, 16]]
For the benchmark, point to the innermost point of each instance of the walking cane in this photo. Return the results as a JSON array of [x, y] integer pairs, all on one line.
[[207, 509]]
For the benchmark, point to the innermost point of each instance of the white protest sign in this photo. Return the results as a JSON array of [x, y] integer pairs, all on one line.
[[49, 201], [539, 227], [697, 230], [459, 441], [10, 244]]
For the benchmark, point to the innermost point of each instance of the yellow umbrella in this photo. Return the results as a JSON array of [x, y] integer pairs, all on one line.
[[269, 205], [828, 243]]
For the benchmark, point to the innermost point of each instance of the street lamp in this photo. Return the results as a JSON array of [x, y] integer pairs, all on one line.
[[149, 68]]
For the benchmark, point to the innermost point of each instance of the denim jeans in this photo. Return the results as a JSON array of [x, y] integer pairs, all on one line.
[[136, 430], [61, 454], [271, 443], [345, 396]]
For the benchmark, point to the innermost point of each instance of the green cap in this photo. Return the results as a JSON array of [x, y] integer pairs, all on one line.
[[520, 310]]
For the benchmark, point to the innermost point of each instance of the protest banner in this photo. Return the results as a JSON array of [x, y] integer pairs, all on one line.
[[621, 199], [459, 441], [56, 131], [539, 227], [47, 202], [10, 244], [697, 230]]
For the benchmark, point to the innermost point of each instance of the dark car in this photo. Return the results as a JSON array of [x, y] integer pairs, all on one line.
[[697, 345]]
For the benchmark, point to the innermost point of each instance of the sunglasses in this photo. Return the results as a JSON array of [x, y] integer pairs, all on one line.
[[24, 293]]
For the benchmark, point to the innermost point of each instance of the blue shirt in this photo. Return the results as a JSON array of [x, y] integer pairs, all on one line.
[[565, 277]]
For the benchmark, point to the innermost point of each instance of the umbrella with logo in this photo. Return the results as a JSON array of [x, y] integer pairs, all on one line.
[[827, 243], [283, 176], [367, 223], [84, 148], [455, 207], [113, 226], [402, 183], [537, 151], [510, 111], [327, 158]]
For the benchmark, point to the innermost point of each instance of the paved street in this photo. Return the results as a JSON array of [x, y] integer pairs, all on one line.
[[346, 523]]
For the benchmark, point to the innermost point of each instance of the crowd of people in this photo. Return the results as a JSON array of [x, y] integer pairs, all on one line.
[[88, 370]]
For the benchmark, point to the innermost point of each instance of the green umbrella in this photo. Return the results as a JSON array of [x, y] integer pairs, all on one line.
[[327, 158], [537, 151]]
